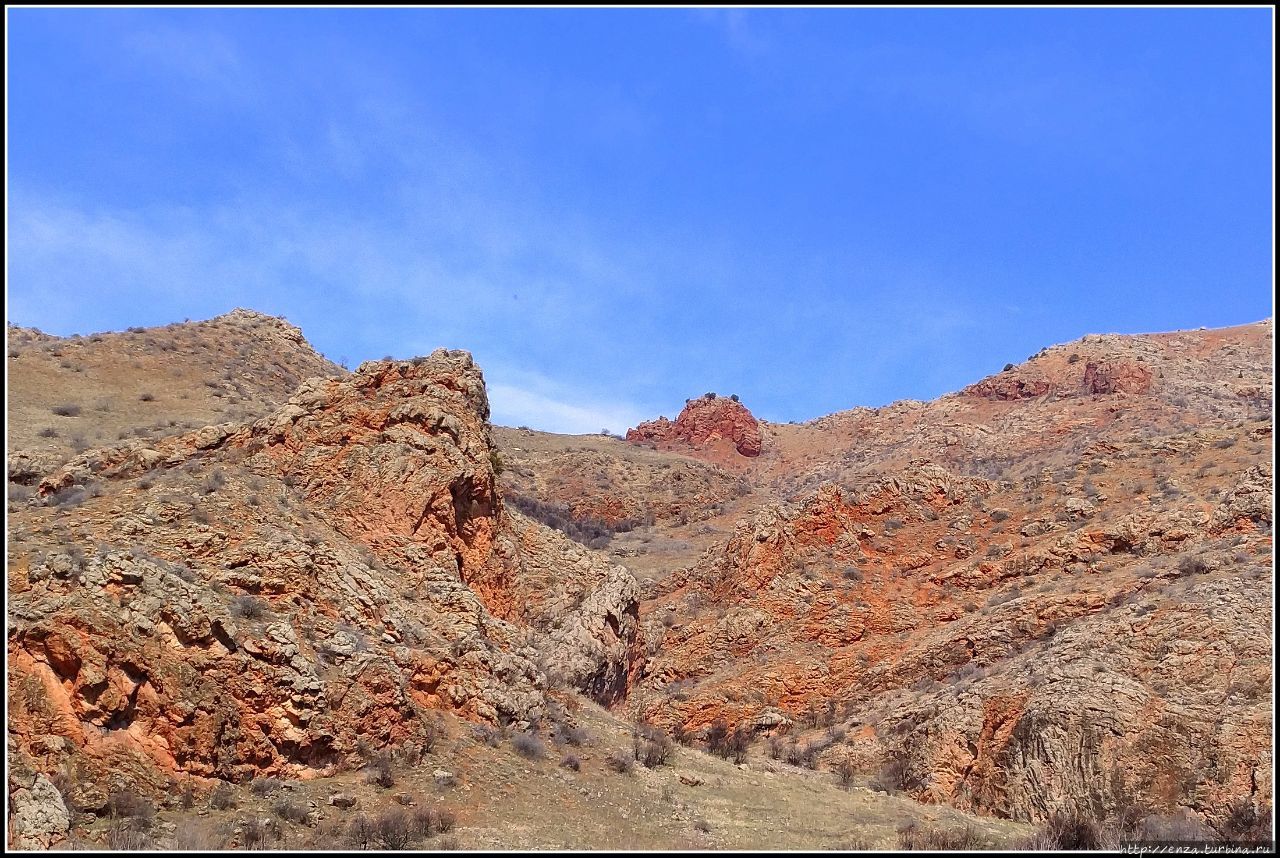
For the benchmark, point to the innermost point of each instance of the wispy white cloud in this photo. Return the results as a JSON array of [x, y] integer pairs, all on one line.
[[511, 405], [743, 33], [203, 61]]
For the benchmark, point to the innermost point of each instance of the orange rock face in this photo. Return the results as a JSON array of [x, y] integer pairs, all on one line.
[[261, 599], [1116, 377], [702, 422], [984, 663]]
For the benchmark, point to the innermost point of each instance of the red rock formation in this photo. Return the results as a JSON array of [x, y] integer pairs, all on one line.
[[1116, 376], [326, 576], [993, 696], [703, 421], [1008, 386]]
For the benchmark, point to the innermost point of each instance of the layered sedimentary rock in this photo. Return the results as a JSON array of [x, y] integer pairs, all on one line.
[[704, 421], [265, 598]]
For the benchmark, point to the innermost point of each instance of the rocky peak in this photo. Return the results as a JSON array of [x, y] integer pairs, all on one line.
[[703, 421]]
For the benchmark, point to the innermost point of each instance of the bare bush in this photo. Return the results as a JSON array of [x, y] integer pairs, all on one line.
[[250, 607], [264, 786], [223, 797], [620, 762], [650, 746], [291, 810], [259, 833], [895, 775], [126, 804], [1246, 822], [380, 774], [845, 771], [1072, 829], [393, 830], [529, 746], [570, 735], [915, 837], [124, 835]]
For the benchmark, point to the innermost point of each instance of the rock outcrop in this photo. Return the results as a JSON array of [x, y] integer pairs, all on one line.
[[1008, 386], [704, 421], [1116, 376], [37, 817], [264, 599], [1105, 660]]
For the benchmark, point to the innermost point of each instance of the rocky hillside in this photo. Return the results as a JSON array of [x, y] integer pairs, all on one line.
[[243, 579], [276, 597], [67, 394], [989, 598]]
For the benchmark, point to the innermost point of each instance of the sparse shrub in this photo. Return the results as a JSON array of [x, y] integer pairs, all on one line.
[[380, 772], [1193, 566], [590, 531], [446, 819], [68, 497], [1180, 826], [845, 770], [69, 409], [570, 735], [264, 786], [187, 795], [213, 482], [1245, 822], [393, 830], [250, 607], [362, 832], [48, 432], [126, 804], [894, 776], [892, 525], [1001, 598], [1072, 829], [422, 821], [571, 762], [124, 835], [620, 762], [651, 747], [430, 735], [529, 746], [223, 797], [702, 825], [999, 514], [147, 397], [259, 833], [915, 837], [718, 738], [490, 736], [291, 810]]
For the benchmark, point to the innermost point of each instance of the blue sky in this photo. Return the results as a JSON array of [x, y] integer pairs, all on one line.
[[614, 210]]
